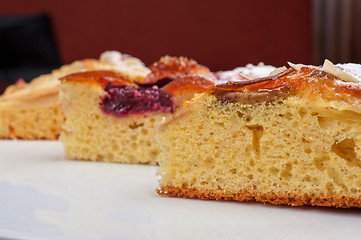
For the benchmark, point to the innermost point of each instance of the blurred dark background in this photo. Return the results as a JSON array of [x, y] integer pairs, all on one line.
[[39, 35]]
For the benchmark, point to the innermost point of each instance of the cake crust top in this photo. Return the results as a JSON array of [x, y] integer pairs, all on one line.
[[47, 85], [308, 81], [98, 77], [172, 67]]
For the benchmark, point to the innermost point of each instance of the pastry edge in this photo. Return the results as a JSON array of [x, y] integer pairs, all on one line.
[[272, 198]]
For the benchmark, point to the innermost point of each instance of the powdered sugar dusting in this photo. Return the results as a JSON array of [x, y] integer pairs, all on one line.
[[352, 69], [123, 63], [112, 57], [250, 71]]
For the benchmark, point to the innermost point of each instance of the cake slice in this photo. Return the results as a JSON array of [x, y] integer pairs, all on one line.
[[110, 118], [291, 138], [33, 111]]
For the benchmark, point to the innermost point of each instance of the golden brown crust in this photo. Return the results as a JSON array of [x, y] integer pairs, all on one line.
[[41, 87], [98, 77], [309, 81], [242, 196], [172, 67], [185, 87], [186, 83]]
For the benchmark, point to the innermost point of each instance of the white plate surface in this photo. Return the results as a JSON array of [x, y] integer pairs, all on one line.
[[45, 196]]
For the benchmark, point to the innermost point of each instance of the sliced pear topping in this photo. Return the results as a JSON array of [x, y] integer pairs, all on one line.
[[296, 66], [329, 67], [278, 71]]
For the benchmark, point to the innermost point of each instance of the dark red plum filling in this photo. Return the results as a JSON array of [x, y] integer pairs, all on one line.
[[123, 100]]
